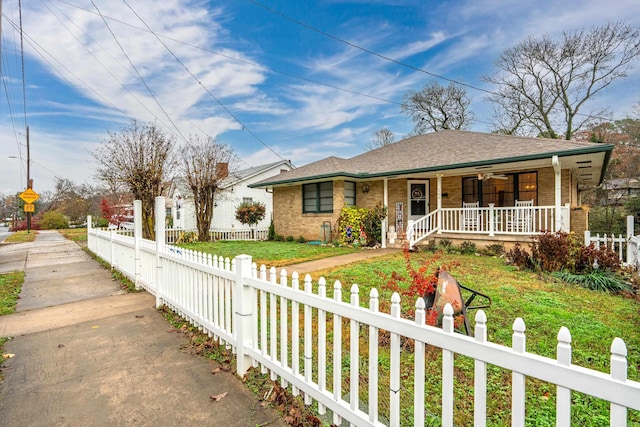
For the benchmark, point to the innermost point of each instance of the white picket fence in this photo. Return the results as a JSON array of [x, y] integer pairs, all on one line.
[[172, 235], [299, 336], [626, 246]]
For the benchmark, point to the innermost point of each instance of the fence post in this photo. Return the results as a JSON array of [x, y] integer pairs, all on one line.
[[159, 223], [242, 313], [137, 237], [587, 237], [630, 257], [89, 239]]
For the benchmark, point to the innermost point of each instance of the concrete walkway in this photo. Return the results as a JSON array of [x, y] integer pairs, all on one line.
[[337, 261], [87, 355]]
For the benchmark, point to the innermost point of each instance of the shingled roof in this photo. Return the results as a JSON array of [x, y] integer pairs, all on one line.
[[454, 152]]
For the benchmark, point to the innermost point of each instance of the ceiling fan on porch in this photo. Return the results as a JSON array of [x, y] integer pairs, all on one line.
[[486, 176]]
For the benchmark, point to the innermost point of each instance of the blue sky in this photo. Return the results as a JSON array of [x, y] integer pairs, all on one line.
[[253, 74]]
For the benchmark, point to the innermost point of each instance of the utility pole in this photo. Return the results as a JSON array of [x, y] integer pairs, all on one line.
[[29, 182]]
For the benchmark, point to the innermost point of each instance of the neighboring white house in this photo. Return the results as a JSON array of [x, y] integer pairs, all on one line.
[[234, 190]]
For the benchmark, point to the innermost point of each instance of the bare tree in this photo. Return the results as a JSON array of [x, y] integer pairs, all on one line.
[[437, 107], [544, 84], [381, 137], [140, 157], [205, 163]]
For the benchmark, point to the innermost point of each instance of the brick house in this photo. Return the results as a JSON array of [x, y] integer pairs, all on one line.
[[486, 188]]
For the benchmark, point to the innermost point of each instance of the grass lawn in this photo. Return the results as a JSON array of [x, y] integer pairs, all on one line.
[[593, 318], [10, 284], [78, 235], [21, 237], [272, 254]]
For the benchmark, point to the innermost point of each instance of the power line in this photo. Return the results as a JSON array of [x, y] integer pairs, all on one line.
[[137, 72], [244, 127]]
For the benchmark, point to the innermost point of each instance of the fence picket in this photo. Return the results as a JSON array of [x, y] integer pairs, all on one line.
[[394, 369], [618, 373], [322, 344], [308, 337], [374, 340], [518, 379], [419, 365], [284, 329], [480, 374], [447, 369], [337, 352], [273, 323], [563, 398], [295, 333], [354, 356]]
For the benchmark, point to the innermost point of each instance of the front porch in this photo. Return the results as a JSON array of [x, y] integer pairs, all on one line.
[[488, 224]]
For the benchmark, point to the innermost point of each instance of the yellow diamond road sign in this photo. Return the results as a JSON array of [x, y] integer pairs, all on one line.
[[29, 196]]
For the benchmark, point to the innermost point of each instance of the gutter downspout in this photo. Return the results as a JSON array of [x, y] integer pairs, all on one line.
[[385, 203], [558, 193]]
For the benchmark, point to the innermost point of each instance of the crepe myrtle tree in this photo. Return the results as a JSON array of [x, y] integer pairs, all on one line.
[[205, 164], [139, 157], [250, 213]]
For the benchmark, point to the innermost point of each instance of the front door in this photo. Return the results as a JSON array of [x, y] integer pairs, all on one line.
[[418, 199]]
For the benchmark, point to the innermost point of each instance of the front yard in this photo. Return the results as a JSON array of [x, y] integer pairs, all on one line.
[[544, 303]]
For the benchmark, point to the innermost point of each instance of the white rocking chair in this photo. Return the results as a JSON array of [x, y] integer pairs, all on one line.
[[522, 218], [470, 216]]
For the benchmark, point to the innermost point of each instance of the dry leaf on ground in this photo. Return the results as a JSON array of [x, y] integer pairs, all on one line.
[[217, 397]]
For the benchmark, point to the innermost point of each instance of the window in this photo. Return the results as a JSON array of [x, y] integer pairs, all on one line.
[[247, 200], [317, 197], [502, 191], [349, 193]]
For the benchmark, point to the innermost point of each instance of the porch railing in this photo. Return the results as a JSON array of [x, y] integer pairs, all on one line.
[[524, 220]]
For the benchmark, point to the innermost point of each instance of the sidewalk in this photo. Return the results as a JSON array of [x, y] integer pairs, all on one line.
[[86, 354]]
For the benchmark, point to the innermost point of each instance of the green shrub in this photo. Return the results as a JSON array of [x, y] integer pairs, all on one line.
[[519, 257], [54, 220], [565, 251], [604, 281], [279, 238], [467, 248], [290, 239], [271, 234], [495, 249], [187, 237], [445, 245], [361, 225], [301, 239]]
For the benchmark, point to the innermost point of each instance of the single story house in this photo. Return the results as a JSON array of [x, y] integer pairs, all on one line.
[[233, 191], [486, 188]]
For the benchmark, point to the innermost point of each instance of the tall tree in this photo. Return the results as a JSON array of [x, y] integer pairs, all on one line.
[[381, 137], [437, 107], [141, 157], [205, 163], [544, 84]]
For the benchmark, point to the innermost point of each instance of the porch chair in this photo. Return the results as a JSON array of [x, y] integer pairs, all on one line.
[[470, 216], [522, 219]]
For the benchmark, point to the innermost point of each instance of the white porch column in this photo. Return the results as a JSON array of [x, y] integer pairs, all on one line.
[[439, 202], [385, 204], [558, 194]]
